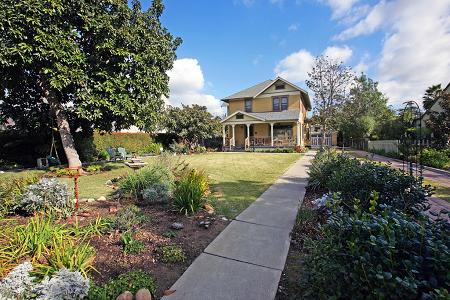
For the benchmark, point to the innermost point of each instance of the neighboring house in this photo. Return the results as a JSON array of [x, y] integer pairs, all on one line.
[[315, 136], [269, 114], [436, 107]]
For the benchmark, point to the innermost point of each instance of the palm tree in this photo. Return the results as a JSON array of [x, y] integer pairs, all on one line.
[[431, 95]]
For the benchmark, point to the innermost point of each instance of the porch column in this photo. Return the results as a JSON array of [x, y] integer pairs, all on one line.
[[302, 140], [234, 141], [224, 138], [248, 131], [299, 140], [271, 134]]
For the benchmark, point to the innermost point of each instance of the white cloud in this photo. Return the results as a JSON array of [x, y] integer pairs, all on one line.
[[340, 54], [186, 86], [415, 52], [293, 27], [295, 67], [340, 7]]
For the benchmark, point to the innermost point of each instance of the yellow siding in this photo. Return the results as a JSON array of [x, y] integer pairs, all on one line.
[[264, 104], [261, 130], [236, 105]]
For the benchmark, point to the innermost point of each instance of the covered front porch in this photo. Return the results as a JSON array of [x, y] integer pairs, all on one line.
[[262, 134]]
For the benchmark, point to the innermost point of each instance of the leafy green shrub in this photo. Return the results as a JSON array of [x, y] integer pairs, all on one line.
[[172, 254], [11, 191], [154, 148], [435, 158], [157, 193], [130, 245], [48, 195], [200, 149], [135, 183], [376, 256], [103, 155], [190, 192], [170, 234], [129, 218], [179, 148], [355, 179], [131, 281]]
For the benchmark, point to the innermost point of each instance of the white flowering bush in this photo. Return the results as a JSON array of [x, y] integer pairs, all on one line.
[[63, 285], [157, 193], [18, 284], [49, 195]]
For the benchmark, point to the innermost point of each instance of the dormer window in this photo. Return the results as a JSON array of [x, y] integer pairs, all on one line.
[[248, 105], [279, 87]]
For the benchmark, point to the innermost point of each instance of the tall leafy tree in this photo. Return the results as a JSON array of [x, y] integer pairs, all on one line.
[[192, 124], [100, 62], [329, 80], [365, 109]]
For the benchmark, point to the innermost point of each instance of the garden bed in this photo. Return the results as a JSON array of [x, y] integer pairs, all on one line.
[[110, 261]]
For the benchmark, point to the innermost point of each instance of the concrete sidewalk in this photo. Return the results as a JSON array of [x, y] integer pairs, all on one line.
[[245, 261]]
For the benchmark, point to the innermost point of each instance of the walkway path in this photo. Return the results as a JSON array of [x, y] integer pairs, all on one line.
[[245, 261], [439, 177]]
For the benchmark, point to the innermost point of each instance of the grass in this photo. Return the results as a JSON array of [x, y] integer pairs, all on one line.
[[442, 192], [236, 179]]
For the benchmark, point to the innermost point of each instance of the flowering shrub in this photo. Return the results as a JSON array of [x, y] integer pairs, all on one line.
[[63, 285], [18, 284], [47, 195]]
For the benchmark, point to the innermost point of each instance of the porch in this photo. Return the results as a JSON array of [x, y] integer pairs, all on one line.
[[262, 135]]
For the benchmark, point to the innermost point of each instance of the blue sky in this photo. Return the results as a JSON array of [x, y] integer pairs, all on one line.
[[229, 45]]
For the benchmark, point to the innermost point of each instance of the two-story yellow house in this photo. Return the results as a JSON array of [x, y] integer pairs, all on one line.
[[269, 114]]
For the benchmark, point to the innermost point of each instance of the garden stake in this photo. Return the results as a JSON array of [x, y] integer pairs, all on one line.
[[75, 181]]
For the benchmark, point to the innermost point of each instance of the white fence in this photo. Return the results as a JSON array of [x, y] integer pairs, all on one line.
[[316, 141]]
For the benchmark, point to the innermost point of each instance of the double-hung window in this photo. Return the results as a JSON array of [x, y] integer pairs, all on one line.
[[248, 105], [280, 103]]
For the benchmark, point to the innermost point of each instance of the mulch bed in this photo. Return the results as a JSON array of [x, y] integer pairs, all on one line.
[[110, 260], [288, 287]]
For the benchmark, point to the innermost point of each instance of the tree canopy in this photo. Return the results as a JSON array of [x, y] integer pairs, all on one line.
[[192, 124], [329, 81], [100, 62], [439, 121], [365, 109]]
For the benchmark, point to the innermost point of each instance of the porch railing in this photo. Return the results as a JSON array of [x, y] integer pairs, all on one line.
[[266, 141]]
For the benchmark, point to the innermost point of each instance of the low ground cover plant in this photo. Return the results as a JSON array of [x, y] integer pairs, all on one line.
[[130, 244], [172, 254], [131, 281], [129, 218]]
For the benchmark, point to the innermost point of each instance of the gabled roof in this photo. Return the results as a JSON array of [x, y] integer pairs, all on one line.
[[285, 115], [259, 88]]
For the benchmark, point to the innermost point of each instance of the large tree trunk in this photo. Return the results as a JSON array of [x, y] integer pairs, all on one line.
[[64, 129]]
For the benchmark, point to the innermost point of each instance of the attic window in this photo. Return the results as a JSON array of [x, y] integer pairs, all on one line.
[[240, 116], [279, 87]]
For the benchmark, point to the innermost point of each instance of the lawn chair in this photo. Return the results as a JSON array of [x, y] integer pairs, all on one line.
[[113, 155], [123, 153]]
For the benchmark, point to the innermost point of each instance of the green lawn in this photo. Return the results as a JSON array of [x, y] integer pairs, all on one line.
[[237, 179]]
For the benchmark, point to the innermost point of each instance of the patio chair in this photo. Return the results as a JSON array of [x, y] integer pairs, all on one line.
[[123, 153], [113, 155]]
